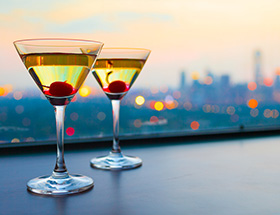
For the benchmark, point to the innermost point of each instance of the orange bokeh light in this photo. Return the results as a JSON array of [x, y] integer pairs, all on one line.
[[195, 125], [153, 119], [171, 105], [208, 80], [268, 82], [2, 91], [195, 75], [252, 86], [253, 103]]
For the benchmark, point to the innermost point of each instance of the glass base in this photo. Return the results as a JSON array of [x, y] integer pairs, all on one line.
[[116, 161], [59, 184]]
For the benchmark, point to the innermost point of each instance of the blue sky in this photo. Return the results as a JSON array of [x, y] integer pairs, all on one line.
[[190, 35]]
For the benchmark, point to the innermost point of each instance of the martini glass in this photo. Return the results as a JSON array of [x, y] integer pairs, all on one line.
[[59, 67], [115, 70]]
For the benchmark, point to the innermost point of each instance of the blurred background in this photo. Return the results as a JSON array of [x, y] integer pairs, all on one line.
[[214, 68]]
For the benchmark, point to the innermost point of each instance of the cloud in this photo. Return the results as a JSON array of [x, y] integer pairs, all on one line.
[[33, 5], [112, 22], [152, 17], [93, 24]]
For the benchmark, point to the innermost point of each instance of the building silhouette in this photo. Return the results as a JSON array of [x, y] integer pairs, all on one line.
[[258, 67], [182, 80]]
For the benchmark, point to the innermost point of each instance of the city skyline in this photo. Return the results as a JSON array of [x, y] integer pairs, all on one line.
[[211, 106]]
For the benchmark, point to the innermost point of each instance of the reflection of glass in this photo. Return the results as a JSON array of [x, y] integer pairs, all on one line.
[[59, 67], [116, 70]]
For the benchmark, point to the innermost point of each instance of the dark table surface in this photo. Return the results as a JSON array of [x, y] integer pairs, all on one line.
[[228, 177]]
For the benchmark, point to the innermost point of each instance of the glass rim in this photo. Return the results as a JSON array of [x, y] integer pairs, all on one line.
[[26, 42], [124, 48]]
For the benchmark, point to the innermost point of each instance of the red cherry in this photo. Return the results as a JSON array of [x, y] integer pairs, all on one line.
[[117, 87], [60, 89]]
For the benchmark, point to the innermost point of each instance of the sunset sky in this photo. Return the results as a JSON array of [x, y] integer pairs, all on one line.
[[190, 35]]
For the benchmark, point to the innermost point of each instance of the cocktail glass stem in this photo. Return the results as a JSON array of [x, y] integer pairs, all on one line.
[[60, 166], [116, 115], [116, 160]]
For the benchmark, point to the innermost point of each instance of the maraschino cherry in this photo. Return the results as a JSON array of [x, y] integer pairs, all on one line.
[[117, 87], [60, 89]]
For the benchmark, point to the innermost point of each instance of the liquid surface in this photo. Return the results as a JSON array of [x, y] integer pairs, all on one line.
[[58, 75], [116, 76]]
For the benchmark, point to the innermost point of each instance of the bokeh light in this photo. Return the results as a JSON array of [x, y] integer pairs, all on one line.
[[74, 116], [171, 104], [211, 108], [169, 98], [188, 106], [153, 119], [253, 103], [177, 94], [195, 125], [268, 82], [254, 112], [266, 113], [19, 109], [234, 118], [8, 88], [154, 90], [139, 100], [85, 91], [2, 91], [158, 106], [29, 139], [215, 109], [206, 108], [252, 86], [26, 121], [150, 104], [271, 113], [17, 95], [208, 80], [195, 75], [15, 140], [101, 116], [277, 71], [230, 110], [274, 113], [70, 131], [137, 123]]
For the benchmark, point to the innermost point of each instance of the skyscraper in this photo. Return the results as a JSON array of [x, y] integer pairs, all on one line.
[[225, 81], [182, 80], [258, 69]]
